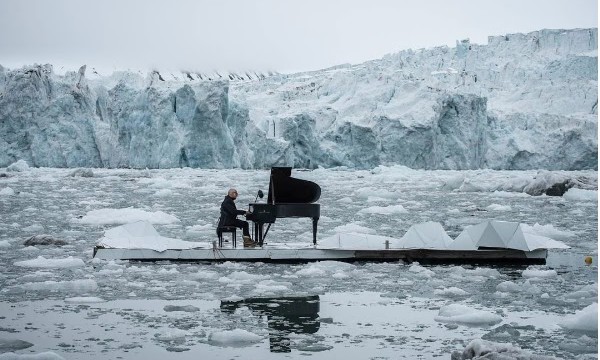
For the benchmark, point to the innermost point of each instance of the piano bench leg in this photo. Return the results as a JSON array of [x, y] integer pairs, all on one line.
[[315, 221]]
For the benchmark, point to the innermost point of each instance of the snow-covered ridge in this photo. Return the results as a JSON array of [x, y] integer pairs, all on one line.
[[523, 101]]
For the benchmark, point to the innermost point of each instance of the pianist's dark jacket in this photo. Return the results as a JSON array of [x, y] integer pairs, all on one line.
[[229, 212]]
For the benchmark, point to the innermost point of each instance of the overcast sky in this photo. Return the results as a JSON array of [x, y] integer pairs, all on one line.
[[279, 35]]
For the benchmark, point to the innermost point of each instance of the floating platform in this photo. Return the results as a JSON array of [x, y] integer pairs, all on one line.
[[302, 255]]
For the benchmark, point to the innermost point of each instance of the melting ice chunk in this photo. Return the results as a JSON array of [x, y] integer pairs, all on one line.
[[236, 337], [457, 313], [584, 320]]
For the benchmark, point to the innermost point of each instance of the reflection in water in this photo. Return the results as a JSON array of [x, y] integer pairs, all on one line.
[[297, 314]]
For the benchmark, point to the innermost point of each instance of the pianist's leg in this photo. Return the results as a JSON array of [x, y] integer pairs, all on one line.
[[241, 224]]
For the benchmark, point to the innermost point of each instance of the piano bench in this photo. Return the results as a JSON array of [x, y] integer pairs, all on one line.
[[227, 229]]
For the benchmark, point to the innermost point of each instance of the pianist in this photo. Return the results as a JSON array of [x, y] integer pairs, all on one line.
[[229, 213]]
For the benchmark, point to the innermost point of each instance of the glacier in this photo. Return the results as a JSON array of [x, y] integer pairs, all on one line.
[[521, 101]]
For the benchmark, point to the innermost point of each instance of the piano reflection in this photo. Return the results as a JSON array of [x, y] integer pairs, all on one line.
[[285, 315], [287, 198]]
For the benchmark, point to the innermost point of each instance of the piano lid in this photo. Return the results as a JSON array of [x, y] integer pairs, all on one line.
[[284, 189]]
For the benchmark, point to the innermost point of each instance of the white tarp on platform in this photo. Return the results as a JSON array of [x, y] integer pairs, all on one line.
[[502, 234], [142, 235], [355, 241], [427, 235]]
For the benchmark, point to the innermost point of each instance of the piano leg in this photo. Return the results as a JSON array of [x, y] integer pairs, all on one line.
[[255, 231], [315, 220], [260, 234]]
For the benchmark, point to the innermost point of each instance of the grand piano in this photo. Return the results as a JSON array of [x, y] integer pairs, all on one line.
[[287, 198]]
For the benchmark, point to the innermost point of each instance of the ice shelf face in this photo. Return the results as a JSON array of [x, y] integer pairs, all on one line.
[[523, 101]]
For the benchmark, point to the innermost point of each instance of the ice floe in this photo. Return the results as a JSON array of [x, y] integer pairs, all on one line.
[[40, 356], [323, 268], [267, 287], [538, 273], [84, 300], [236, 337], [81, 285], [584, 293], [458, 313], [18, 166], [126, 215], [82, 172], [498, 207], [509, 286], [584, 320], [7, 191], [184, 308], [384, 210], [450, 292], [44, 240], [574, 194], [548, 230], [34, 228], [354, 228], [483, 349], [42, 262], [171, 335], [13, 344], [420, 270], [367, 192]]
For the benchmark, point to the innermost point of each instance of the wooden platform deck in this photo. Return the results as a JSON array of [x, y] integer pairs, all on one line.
[[301, 255]]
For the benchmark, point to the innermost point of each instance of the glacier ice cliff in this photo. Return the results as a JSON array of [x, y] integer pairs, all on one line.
[[522, 101]]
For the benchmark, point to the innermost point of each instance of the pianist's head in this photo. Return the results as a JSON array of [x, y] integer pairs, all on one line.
[[232, 193]]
